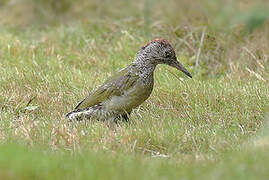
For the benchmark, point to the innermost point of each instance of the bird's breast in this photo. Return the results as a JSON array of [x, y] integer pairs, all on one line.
[[131, 98]]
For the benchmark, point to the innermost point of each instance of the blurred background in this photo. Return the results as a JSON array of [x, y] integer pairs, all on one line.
[[230, 24], [224, 13], [221, 14]]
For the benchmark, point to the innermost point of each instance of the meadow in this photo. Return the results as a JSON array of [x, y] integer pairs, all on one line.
[[213, 126]]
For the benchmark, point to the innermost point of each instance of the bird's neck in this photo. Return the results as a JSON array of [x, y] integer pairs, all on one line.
[[145, 67]]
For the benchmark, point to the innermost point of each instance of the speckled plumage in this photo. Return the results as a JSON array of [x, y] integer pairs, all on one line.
[[127, 89]]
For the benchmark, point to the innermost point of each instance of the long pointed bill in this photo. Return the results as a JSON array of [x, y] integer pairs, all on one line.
[[180, 67]]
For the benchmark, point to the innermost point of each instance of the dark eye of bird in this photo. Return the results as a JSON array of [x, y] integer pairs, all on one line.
[[168, 54]]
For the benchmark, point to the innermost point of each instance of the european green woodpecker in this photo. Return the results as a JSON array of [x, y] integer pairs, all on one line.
[[128, 88]]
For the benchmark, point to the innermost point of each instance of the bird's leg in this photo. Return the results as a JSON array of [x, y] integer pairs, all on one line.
[[123, 118], [126, 116]]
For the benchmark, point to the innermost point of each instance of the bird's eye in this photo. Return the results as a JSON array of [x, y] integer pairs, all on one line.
[[168, 54]]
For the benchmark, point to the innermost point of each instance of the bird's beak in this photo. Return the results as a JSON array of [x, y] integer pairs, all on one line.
[[176, 64]]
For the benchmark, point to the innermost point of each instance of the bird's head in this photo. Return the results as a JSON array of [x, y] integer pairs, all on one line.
[[159, 51]]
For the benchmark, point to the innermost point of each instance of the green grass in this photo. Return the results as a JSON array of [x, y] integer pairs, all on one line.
[[213, 126], [21, 163]]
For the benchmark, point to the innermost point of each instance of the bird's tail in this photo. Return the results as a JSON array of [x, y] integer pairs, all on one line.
[[88, 113], [78, 114], [91, 113]]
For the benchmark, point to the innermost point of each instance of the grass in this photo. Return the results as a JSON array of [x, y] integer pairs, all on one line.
[[213, 126], [92, 165]]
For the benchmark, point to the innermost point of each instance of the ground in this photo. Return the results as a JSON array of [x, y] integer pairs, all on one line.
[[213, 126]]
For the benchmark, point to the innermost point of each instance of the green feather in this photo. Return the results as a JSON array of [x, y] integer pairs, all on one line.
[[114, 86]]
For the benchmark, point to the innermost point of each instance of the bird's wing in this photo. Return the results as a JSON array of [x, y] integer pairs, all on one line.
[[114, 86]]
